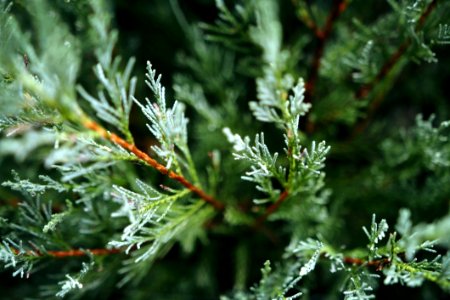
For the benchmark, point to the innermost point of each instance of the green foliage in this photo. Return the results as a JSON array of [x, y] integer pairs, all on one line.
[[73, 282], [168, 125], [98, 208]]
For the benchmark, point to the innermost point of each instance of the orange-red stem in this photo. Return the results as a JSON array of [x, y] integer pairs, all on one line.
[[76, 252], [378, 264], [72, 252], [152, 162], [272, 208]]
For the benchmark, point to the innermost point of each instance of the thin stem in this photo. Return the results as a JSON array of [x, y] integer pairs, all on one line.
[[431, 276], [272, 208], [192, 170], [378, 264], [176, 163], [152, 162], [72, 252], [77, 252]]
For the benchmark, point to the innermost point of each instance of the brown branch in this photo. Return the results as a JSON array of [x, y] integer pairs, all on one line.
[[426, 13], [338, 8], [152, 162], [271, 209], [76, 252], [378, 264], [71, 252]]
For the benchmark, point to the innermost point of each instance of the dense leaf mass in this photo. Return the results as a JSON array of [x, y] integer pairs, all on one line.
[[291, 149]]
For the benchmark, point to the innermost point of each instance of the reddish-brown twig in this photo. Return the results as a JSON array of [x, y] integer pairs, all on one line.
[[152, 162], [76, 252], [271, 209], [72, 252], [378, 264]]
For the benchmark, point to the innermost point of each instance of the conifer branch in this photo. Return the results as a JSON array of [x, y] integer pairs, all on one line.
[[152, 162], [68, 155], [365, 90], [338, 8]]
